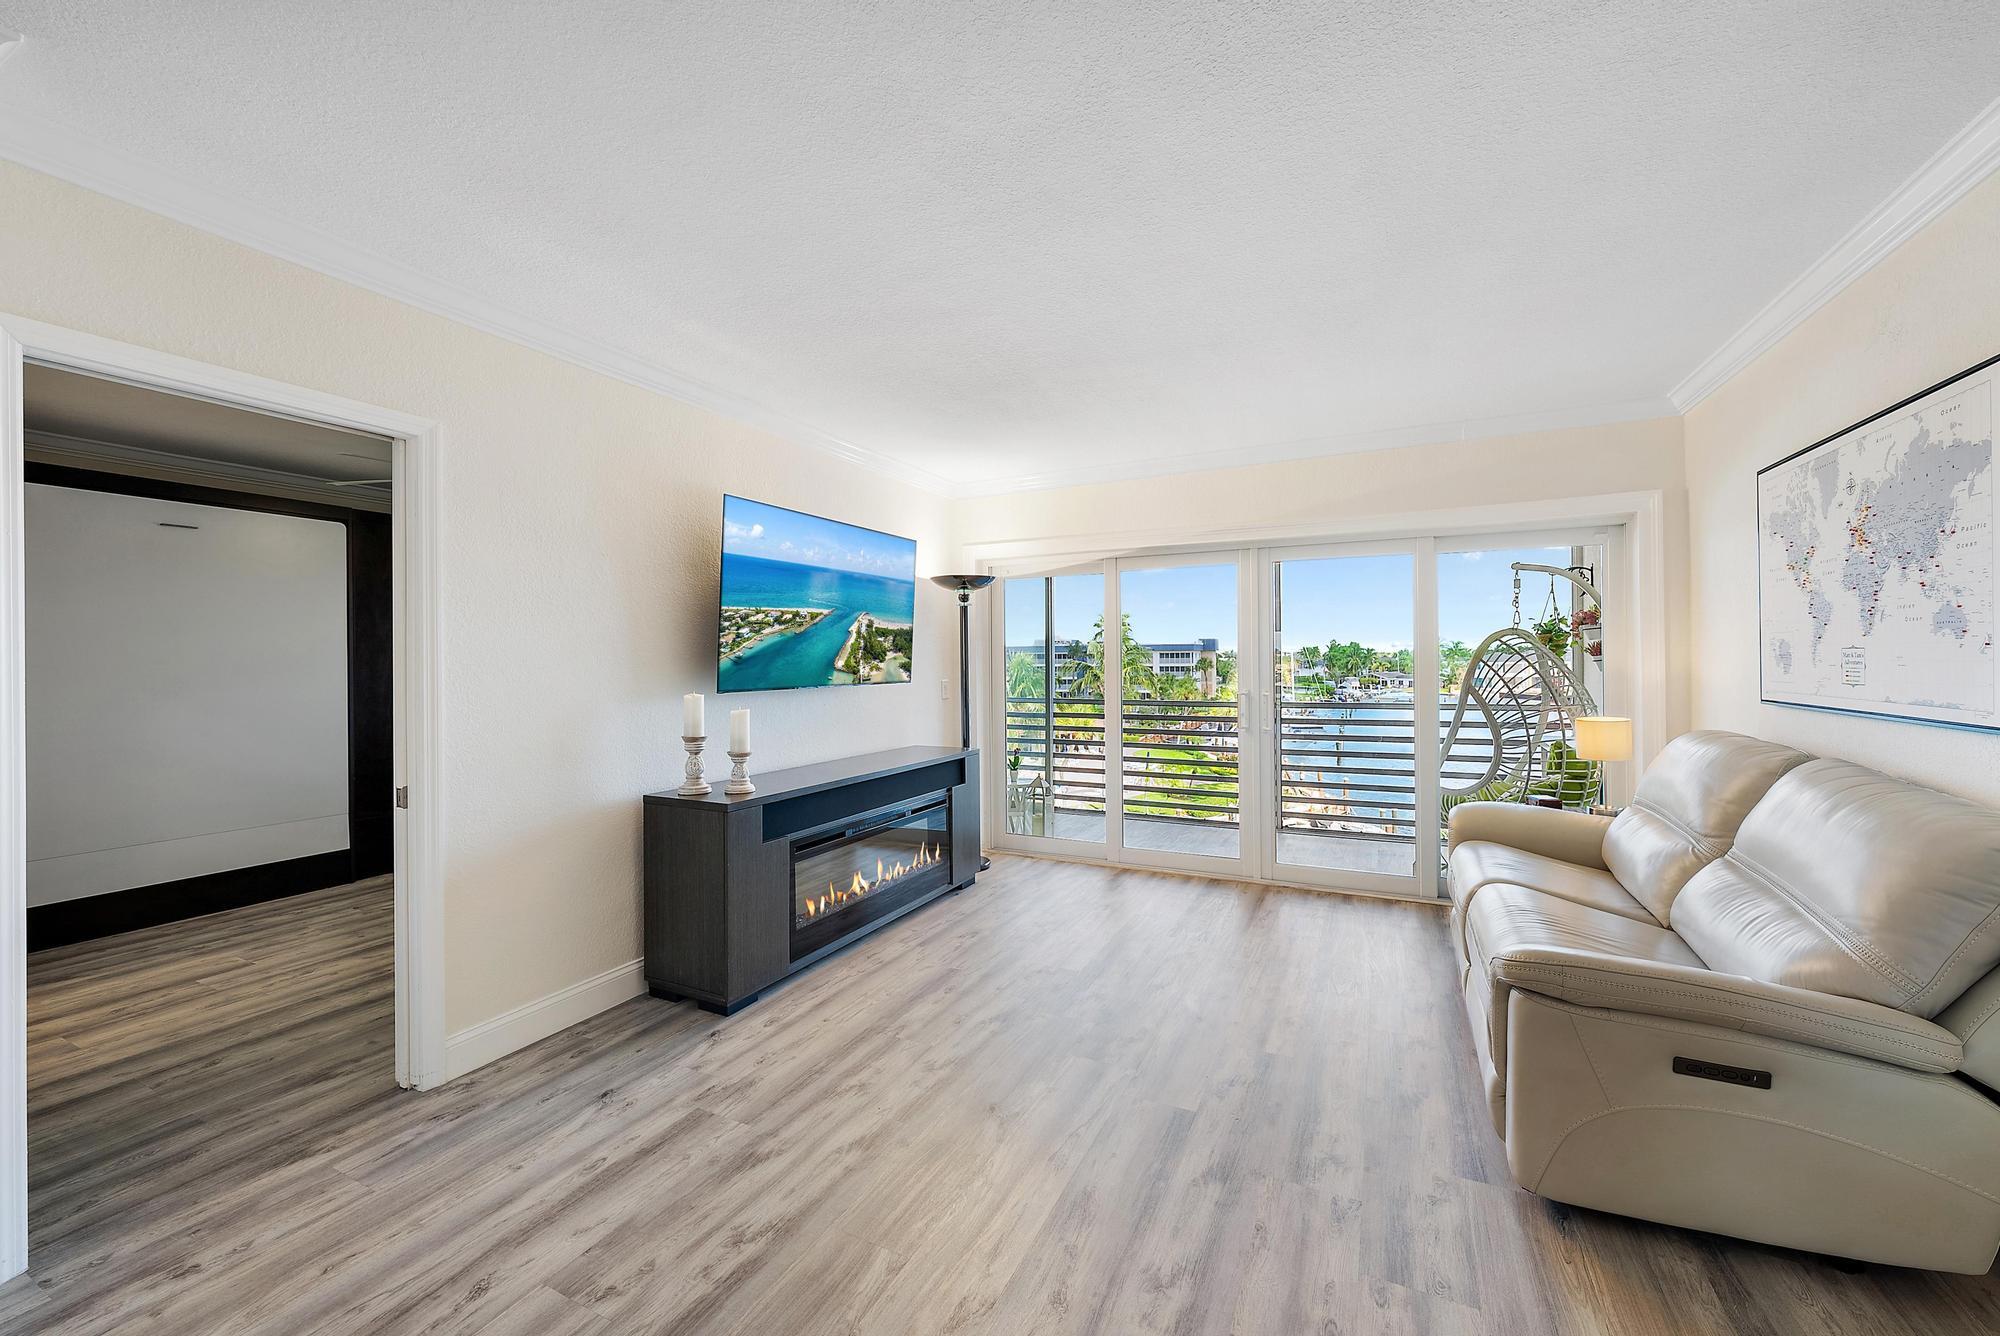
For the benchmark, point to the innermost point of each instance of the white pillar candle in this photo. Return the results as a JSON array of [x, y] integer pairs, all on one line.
[[739, 730], [691, 720]]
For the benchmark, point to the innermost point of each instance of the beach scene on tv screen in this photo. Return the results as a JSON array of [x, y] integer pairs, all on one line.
[[811, 602]]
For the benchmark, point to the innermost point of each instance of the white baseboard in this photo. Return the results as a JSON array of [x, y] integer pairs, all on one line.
[[482, 1043]]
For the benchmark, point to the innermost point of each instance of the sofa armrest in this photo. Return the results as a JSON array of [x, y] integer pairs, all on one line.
[[1573, 837], [1682, 992], [1975, 1019]]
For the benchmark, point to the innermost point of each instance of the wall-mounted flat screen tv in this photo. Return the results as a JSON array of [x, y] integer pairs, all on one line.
[[812, 602]]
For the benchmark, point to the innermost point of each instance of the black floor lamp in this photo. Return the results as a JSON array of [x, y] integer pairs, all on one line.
[[965, 586]]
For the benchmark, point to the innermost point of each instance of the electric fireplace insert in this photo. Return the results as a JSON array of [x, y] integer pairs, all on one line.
[[846, 878]]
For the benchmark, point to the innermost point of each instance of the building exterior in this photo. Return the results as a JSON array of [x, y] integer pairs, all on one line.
[[1070, 658], [1192, 658]]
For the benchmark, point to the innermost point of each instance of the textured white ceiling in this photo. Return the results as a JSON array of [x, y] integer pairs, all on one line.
[[999, 240]]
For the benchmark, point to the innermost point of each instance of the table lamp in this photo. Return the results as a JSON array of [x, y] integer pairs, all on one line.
[[1603, 738]]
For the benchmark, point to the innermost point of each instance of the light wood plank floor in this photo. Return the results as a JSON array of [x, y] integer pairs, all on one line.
[[1068, 1100]]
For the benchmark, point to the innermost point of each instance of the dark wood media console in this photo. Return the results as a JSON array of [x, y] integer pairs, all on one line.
[[741, 892]]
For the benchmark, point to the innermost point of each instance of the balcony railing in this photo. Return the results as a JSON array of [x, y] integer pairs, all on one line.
[[1076, 769], [1179, 760], [1346, 768]]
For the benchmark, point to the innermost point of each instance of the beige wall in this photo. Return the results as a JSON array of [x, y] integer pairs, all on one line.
[[1342, 491], [581, 519], [1928, 311]]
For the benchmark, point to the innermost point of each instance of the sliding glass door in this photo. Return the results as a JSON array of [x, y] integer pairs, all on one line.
[[1301, 714], [1547, 590], [1180, 735], [1052, 698], [1344, 677]]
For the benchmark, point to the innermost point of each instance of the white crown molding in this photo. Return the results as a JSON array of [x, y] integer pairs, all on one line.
[[1435, 433], [36, 142], [1969, 157]]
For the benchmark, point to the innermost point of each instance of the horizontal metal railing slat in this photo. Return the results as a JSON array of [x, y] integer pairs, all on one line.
[[1330, 755]]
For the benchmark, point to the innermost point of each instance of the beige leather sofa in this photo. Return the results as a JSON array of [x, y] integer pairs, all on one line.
[[1762, 1001]]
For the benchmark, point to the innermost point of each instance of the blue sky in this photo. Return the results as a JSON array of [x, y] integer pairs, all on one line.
[[753, 529], [1343, 598]]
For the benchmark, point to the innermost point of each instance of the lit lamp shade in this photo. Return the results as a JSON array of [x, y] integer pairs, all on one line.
[[1603, 738]]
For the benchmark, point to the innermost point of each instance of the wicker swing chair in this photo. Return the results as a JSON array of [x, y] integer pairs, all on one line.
[[1524, 700]]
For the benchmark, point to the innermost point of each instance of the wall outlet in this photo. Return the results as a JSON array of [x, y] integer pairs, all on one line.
[[944, 688]]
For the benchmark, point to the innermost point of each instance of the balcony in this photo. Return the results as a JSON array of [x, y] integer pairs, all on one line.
[[1347, 795]]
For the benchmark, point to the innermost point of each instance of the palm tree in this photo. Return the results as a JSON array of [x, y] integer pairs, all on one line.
[[1347, 660], [1453, 659], [1134, 662], [1024, 675]]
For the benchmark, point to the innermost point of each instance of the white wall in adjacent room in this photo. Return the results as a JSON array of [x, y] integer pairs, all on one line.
[[1929, 310], [187, 690]]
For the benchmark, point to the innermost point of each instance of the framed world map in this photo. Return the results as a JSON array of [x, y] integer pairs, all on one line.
[[1875, 557]]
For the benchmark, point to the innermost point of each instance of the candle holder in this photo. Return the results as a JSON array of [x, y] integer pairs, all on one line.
[[696, 782], [739, 777]]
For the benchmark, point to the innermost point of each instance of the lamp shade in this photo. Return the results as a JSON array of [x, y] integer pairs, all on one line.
[[1601, 737], [962, 583]]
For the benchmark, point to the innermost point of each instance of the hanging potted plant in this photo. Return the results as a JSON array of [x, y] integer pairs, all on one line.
[[1587, 629], [1553, 632]]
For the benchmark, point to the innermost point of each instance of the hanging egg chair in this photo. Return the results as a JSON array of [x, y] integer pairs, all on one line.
[[1512, 733]]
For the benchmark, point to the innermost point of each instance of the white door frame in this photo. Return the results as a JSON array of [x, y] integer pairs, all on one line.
[[418, 744]]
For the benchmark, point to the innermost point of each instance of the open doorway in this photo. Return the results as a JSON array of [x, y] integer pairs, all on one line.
[[382, 932], [209, 657], [208, 613]]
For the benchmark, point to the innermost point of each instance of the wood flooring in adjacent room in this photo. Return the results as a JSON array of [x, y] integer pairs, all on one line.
[[1067, 1100]]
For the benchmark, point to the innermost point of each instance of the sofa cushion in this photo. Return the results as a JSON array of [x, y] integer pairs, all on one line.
[[1506, 921], [1537, 944], [1477, 864], [1686, 811], [1847, 881]]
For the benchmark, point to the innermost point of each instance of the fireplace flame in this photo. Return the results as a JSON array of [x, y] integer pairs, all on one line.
[[838, 896]]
